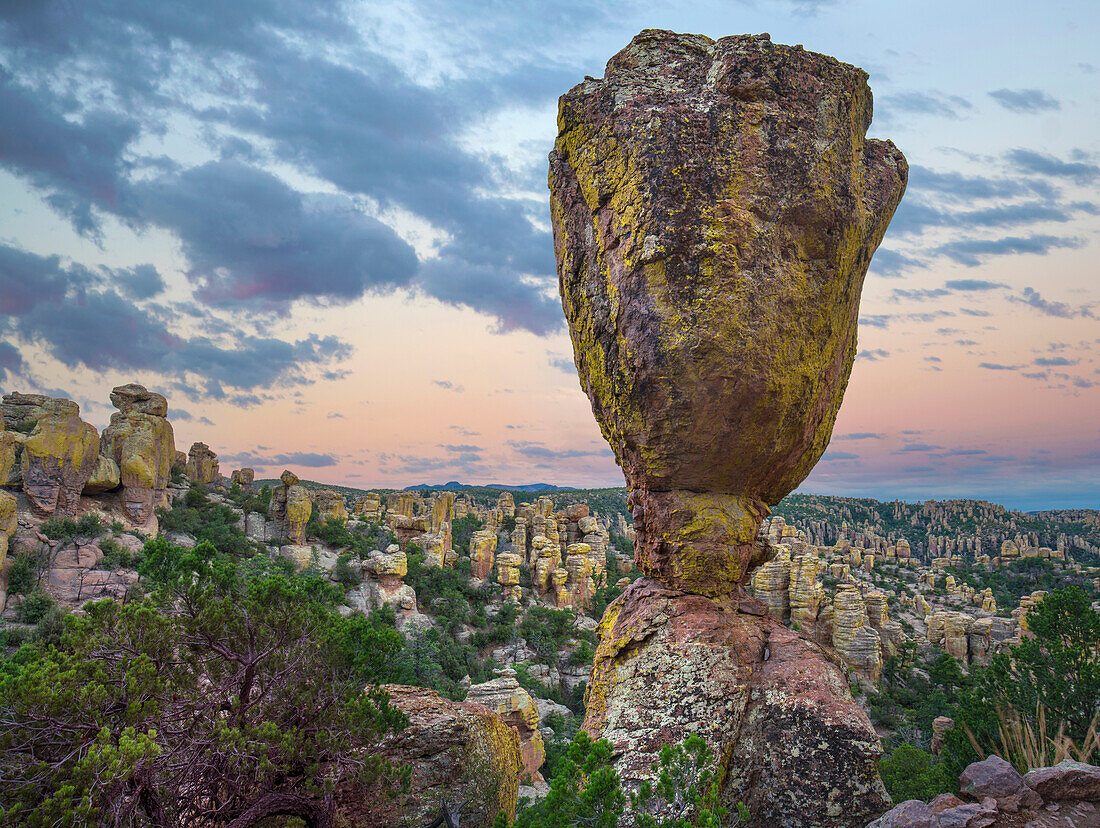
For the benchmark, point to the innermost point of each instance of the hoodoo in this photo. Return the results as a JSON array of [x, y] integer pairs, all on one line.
[[715, 206]]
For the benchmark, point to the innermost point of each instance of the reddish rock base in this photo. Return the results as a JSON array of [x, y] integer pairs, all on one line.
[[775, 709]]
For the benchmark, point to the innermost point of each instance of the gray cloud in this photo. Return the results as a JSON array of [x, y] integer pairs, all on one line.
[[972, 284], [925, 103], [970, 252], [860, 435], [304, 459], [996, 366], [1041, 164], [1028, 101], [1033, 299], [539, 451]]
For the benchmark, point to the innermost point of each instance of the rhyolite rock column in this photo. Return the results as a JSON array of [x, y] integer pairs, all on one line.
[[141, 443], [58, 458], [715, 206]]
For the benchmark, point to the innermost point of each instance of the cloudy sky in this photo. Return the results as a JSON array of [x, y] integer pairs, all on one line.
[[322, 231]]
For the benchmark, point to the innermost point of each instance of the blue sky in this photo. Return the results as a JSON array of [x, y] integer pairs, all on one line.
[[321, 230]]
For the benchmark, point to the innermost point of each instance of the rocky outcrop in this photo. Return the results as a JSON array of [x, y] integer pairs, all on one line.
[[1063, 796], [715, 206], [58, 458], [385, 580], [8, 524], [330, 506], [291, 508], [106, 476], [505, 697], [855, 642], [483, 547], [242, 477], [457, 752], [769, 703], [771, 584], [142, 445], [22, 411], [202, 465], [11, 445], [370, 507]]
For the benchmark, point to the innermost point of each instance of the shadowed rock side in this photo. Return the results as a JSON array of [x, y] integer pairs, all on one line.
[[715, 206], [141, 445], [58, 458]]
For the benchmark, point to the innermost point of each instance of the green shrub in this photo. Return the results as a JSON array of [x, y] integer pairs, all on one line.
[[35, 607], [25, 572], [344, 574], [912, 773], [115, 555], [89, 525], [59, 528]]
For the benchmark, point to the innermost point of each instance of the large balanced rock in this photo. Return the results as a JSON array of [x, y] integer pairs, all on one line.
[[22, 411], [58, 458], [504, 696], [141, 444], [202, 465], [715, 206], [456, 751]]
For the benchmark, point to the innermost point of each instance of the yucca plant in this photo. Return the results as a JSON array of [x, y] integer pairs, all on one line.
[[1028, 742]]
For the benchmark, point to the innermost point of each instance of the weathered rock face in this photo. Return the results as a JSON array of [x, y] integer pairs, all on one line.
[[242, 477], [505, 697], [330, 506], [11, 444], [105, 476], [291, 507], [771, 583], [715, 206], [142, 445], [8, 525], [58, 458], [483, 547], [458, 751], [202, 465], [22, 411], [768, 702], [855, 642]]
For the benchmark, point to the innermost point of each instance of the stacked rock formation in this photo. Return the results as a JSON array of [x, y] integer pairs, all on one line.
[[715, 206], [140, 444], [202, 465], [330, 506], [385, 584], [483, 547], [291, 507], [504, 696], [242, 477], [58, 458], [11, 445]]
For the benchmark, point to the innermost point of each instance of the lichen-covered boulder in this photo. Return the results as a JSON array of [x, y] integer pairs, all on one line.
[[715, 206], [330, 506], [242, 477], [791, 743], [141, 442], [457, 752], [290, 509], [504, 696], [58, 458], [11, 444], [22, 411], [105, 476], [8, 524], [202, 465]]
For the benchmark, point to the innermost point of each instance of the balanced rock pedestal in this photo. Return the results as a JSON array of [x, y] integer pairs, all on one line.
[[715, 206]]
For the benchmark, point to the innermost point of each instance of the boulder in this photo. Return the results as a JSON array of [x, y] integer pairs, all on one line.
[[9, 523], [22, 411], [140, 441], [504, 696], [242, 477], [715, 206], [771, 584], [202, 465], [1066, 780], [456, 751], [855, 642], [790, 741], [58, 458], [105, 476], [11, 445], [996, 778], [330, 506], [909, 814]]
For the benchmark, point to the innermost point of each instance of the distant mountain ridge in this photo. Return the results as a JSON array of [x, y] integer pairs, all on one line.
[[454, 486]]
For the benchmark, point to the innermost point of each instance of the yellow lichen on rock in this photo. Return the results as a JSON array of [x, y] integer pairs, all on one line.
[[58, 458], [141, 443]]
